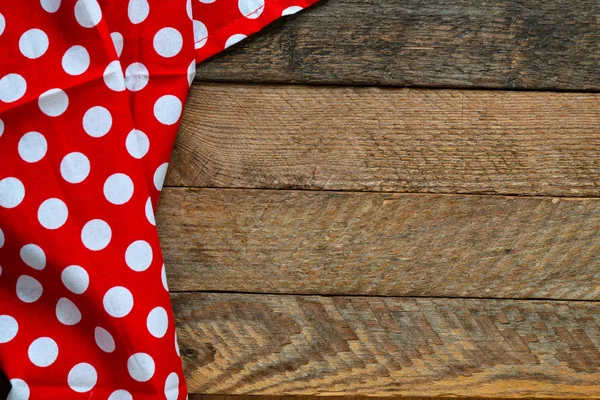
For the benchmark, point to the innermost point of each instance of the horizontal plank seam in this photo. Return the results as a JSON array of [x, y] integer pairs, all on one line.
[[388, 86], [483, 194], [515, 299]]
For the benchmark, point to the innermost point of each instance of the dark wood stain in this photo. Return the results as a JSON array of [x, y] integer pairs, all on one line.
[[526, 44]]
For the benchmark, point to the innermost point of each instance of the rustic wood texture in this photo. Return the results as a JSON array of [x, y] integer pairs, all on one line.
[[403, 140], [552, 44], [299, 242], [273, 397], [309, 345]]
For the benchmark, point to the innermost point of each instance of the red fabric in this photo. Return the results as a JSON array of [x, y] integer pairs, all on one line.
[[91, 94]]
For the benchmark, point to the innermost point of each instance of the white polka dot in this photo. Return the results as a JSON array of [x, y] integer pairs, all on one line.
[[32, 147], [104, 340], [136, 76], [172, 386], [97, 121], [67, 312], [19, 390], [12, 192], [168, 42], [188, 9], [33, 43], [2, 235], [50, 6], [138, 10], [28, 289], [157, 322], [43, 352], [12, 88], [138, 255], [2, 24], [117, 40], [233, 39], [291, 10], [251, 9], [33, 256], [200, 34], [118, 302], [207, 1], [118, 189], [8, 328], [167, 109], [113, 76], [75, 167], [191, 72], [149, 212], [137, 144], [2, 126], [88, 13], [75, 278], [76, 60], [53, 213], [159, 176], [82, 377], [120, 395], [163, 278], [140, 367], [96, 234], [177, 345], [53, 102]]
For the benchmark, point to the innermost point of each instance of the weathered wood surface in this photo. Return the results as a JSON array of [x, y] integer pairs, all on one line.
[[268, 241], [308, 345], [552, 44], [273, 397], [403, 140]]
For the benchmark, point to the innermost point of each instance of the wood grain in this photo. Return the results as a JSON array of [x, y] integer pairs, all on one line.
[[310, 345], [532, 44], [403, 140], [273, 397], [299, 242]]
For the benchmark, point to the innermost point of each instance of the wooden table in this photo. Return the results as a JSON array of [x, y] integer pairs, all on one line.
[[393, 198]]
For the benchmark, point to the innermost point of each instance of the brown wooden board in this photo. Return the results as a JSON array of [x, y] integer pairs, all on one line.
[[309, 345], [299, 242], [403, 140], [273, 397], [533, 44]]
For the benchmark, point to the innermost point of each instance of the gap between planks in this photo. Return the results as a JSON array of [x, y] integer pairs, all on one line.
[[201, 82], [520, 299], [507, 195]]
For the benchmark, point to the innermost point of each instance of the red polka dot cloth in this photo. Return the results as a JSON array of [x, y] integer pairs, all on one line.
[[91, 94]]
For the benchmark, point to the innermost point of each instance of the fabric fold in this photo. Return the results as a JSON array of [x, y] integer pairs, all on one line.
[[91, 95]]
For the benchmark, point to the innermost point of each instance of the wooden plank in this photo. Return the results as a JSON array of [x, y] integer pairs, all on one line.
[[310, 345], [259, 397], [532, 44], [299, 242], [403, 140]]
